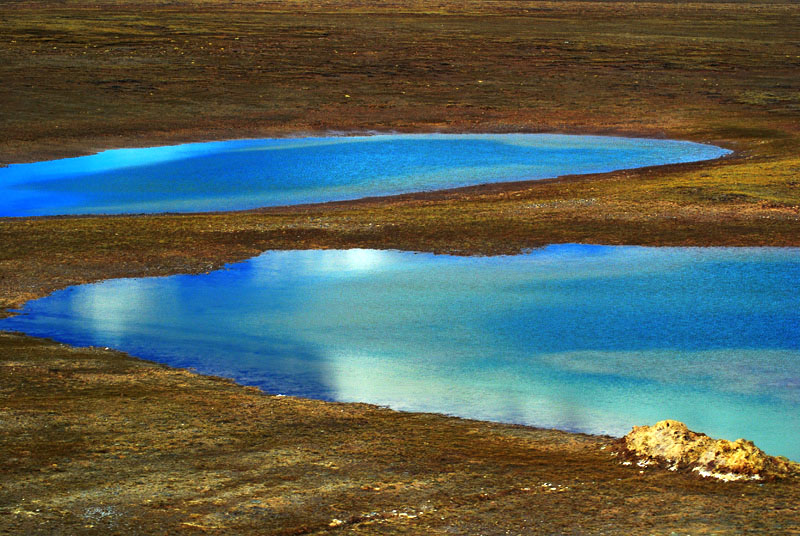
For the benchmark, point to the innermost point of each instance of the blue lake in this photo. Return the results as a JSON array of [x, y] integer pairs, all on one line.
[[244, 174], [582, 338]]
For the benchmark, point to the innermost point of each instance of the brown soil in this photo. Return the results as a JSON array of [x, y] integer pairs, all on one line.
[[97, 442]]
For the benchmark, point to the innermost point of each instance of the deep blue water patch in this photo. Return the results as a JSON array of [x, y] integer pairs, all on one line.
[[584, 338], [245, 174]]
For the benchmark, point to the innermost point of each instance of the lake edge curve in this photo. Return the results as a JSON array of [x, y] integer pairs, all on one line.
[[707, 153], [489, 259]]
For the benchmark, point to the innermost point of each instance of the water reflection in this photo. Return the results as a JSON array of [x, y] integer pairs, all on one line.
[[251, 173], [587, 338]]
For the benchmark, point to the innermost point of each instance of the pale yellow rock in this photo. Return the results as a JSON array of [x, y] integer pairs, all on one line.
[[672, 442]]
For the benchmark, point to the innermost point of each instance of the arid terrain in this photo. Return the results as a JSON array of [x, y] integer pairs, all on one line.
[[96, 442]]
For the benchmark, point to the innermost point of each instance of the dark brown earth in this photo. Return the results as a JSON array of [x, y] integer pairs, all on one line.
[[97, 442]]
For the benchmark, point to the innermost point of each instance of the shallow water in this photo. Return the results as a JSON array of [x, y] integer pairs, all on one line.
[[244, 174], [583, 338]]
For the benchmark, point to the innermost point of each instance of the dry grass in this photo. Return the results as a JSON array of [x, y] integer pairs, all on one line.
[[137, 448], [130, 447]]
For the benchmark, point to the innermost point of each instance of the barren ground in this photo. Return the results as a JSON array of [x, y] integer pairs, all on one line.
[[97, 442]]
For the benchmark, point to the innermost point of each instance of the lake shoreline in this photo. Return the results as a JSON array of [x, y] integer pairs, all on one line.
[[564, 462], [131, 447], [425, 195], [511, 159], [147, 407], [34, 153], [184, 321], [172, 421]]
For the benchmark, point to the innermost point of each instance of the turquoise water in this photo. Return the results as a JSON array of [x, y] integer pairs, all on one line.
[[244, 174], [583, 338]]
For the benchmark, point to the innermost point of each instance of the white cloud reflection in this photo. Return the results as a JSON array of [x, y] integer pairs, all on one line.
[[605, 401], [586, 338], [119, 308]]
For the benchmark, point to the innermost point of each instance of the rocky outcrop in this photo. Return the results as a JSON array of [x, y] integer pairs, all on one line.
[[672, 444]]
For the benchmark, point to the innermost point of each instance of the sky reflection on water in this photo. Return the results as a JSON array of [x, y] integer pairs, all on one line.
[[243, 174], [585, 338]]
